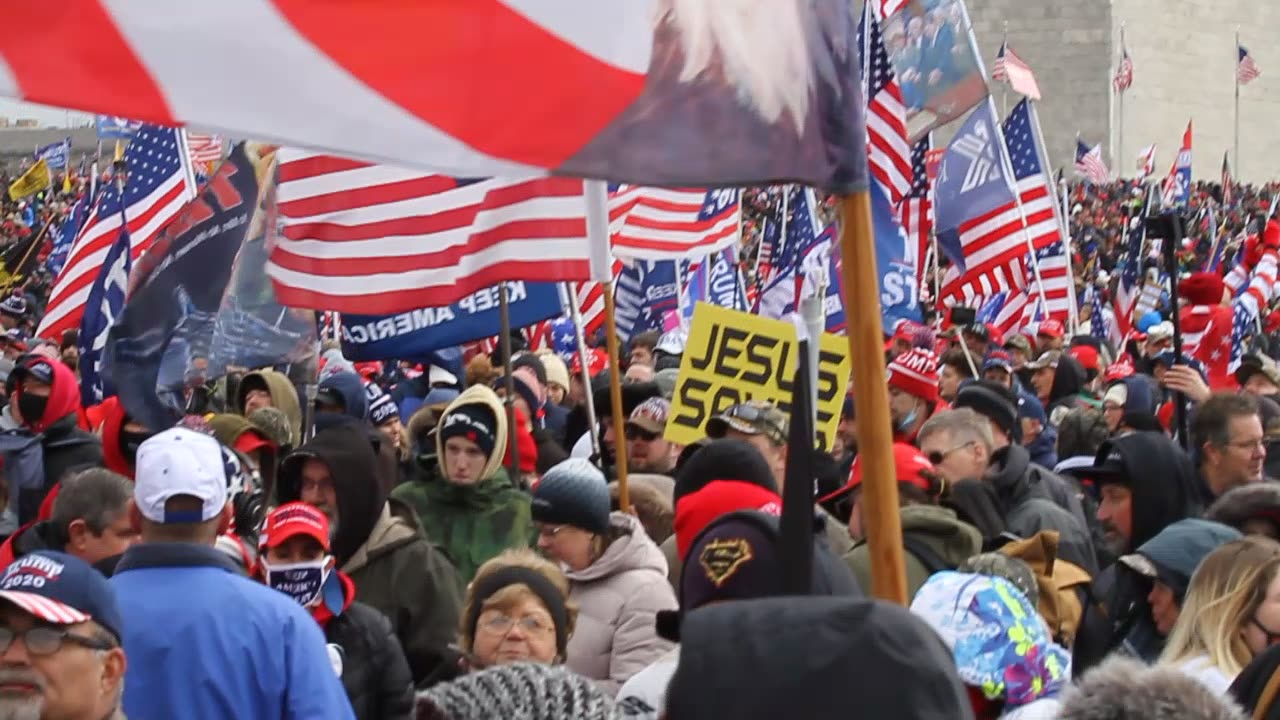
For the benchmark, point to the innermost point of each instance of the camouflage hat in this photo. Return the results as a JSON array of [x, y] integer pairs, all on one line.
[[1013, 569], [274, 424], [754, 417]]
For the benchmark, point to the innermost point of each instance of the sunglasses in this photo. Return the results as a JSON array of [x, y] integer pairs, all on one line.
[[635, 433], [937, 458], [752, 414]]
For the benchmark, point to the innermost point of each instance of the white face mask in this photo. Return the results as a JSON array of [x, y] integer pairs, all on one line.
[[302, 581]]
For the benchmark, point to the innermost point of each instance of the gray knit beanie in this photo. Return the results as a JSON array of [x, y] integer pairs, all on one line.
[[523, 691], [573, 492]]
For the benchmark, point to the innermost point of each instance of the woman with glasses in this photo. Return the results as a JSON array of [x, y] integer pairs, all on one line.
[[517, 610], [1230, 615], [617, 575]]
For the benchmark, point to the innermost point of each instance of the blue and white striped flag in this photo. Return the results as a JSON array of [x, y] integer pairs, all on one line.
[[104, 304]]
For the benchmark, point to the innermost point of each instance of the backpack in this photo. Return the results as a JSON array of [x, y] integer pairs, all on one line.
[[22, 458], [1064, 586]]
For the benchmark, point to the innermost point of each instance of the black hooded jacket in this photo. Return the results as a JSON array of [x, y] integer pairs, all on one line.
[[345, 449], [1162, 482], [1029, 499]]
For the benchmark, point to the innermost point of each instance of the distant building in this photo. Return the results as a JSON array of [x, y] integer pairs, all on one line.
[[27, 123]]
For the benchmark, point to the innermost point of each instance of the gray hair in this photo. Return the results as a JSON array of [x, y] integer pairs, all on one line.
[[96, 495], [962, 425]]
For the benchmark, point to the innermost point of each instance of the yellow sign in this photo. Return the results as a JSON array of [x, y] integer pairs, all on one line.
[[32, 181], [732, 357]]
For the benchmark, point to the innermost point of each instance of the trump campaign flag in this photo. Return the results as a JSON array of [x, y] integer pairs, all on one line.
[[413, 334], [1177, 186], [57, 155], [635, 91], [194, 296], [896, 264], [116, 128], [106, 301]]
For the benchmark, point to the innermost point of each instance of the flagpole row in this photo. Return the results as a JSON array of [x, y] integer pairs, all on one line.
[[615, 399], [865, 335]]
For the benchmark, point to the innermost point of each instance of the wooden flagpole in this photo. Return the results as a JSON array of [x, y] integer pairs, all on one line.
[[615, 399], [871, 399]]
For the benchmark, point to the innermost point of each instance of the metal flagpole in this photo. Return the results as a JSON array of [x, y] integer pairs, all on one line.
[[1120, 105], [1004, 88], [1003, 150], [580, 334], [1235, 154]]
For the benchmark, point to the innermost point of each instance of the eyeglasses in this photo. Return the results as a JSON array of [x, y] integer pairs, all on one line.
[[550, 531], [1249, 444], [635, 433], [43, 640], [937, 458], [501, 624]]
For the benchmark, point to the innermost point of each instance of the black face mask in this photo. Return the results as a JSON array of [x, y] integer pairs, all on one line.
[[32, 406], [129, 443]]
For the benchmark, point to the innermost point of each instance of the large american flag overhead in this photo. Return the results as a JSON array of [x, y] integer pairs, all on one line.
[[159, 183], [364, 238]]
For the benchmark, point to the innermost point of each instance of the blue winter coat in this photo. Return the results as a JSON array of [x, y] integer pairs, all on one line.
[[206, 643]]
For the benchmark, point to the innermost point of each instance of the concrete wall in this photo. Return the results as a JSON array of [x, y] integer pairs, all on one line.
[[1184, 67]]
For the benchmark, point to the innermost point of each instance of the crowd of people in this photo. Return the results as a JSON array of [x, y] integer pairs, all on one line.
[[422, 542]]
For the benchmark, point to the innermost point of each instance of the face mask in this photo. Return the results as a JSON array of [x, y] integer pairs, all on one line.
[[129, 443], [906, 422], [32, 407], [301, 581]]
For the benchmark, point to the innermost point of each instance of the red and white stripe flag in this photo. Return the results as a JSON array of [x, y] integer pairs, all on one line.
[[666, 224], [1012, 69], [376, 239], [204, 148], [888, 150]]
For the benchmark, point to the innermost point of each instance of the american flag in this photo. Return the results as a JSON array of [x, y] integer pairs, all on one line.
[[204, 149], [1124, 74], [916, 209], [888, 151], [1242, 323], [1012, 69], [995, 246], [1246, 69], [665, 224], [1055, 277], [1098, 325], [1089, 163], [159, 183], [1228, 189], [780, 296], [364, 238], [886, 8], [1146, 162], [771, 237]]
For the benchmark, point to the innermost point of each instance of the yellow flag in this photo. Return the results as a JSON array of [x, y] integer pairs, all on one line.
[[119, 152], [32, 181], [66, 183]]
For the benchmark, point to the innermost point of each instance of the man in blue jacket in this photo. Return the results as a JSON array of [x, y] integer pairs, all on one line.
[[202, 640]]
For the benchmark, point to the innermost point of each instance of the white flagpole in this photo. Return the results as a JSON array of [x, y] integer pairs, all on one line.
[[1043, 156], [571, 297]]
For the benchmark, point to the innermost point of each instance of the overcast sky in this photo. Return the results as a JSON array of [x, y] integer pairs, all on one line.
[[47, 116]]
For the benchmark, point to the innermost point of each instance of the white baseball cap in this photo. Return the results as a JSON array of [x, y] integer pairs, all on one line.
[[180, 462]]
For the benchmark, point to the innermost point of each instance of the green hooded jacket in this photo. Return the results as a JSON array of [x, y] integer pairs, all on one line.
[[471, 523]]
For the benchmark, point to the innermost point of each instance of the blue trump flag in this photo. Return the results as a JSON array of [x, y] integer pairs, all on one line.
[[643, 295], [724, 281], [61, 248], [105, 302], [413, 334], [972, 180], [896, 263], [56, 155], [199, 300], [111, 127]]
